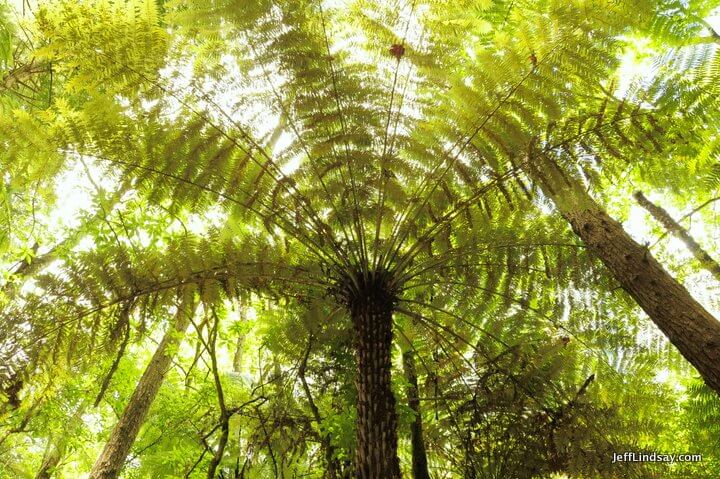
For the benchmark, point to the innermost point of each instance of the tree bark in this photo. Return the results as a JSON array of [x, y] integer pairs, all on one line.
[[122, 437], [376, 453], [694, 331], [672, 226], [419, 455], [225, 414]]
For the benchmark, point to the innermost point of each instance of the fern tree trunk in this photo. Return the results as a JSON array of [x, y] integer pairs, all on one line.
[[694, 331], [376, 453], [419, 455], [122, 437]]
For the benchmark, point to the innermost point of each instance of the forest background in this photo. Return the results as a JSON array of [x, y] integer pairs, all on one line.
[[351, 238]]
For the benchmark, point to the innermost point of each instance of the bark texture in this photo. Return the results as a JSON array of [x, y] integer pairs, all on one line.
[[694, 331], [376, 454], [419, 455], [122, 437], [673, 227]]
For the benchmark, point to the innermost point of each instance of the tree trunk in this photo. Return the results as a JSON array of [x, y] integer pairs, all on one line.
[[122, 437], [211, 347], [419, 456], [376, 453], [240, 345], [57, 445], [672, 226], [694, 331], [331, 464], [53, 454]]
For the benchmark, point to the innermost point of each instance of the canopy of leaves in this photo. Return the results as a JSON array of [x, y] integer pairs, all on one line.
[[268, 156]]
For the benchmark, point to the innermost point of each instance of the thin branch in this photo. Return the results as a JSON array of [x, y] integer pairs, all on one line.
[[224, 413], [674, 228], [684, 217], [125, 319]]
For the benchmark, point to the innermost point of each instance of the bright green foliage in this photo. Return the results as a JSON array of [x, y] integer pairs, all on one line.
[[266, 154], [101, 47]]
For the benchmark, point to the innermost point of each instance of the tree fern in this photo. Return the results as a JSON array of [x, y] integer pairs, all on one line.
[[366, 169]]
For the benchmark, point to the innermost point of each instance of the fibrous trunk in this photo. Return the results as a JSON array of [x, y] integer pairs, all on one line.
[[122, 437], [376, 453], [694, 331]]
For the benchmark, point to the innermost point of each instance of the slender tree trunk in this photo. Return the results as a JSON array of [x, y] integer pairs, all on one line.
[[57, 445], [225, 414], [330, 461], [419, 455], [694, 331], [672, 226], [237, 367], [240, 345], [53, 454], [122, 437], [469, 462], [376, 453], [238, 355]]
